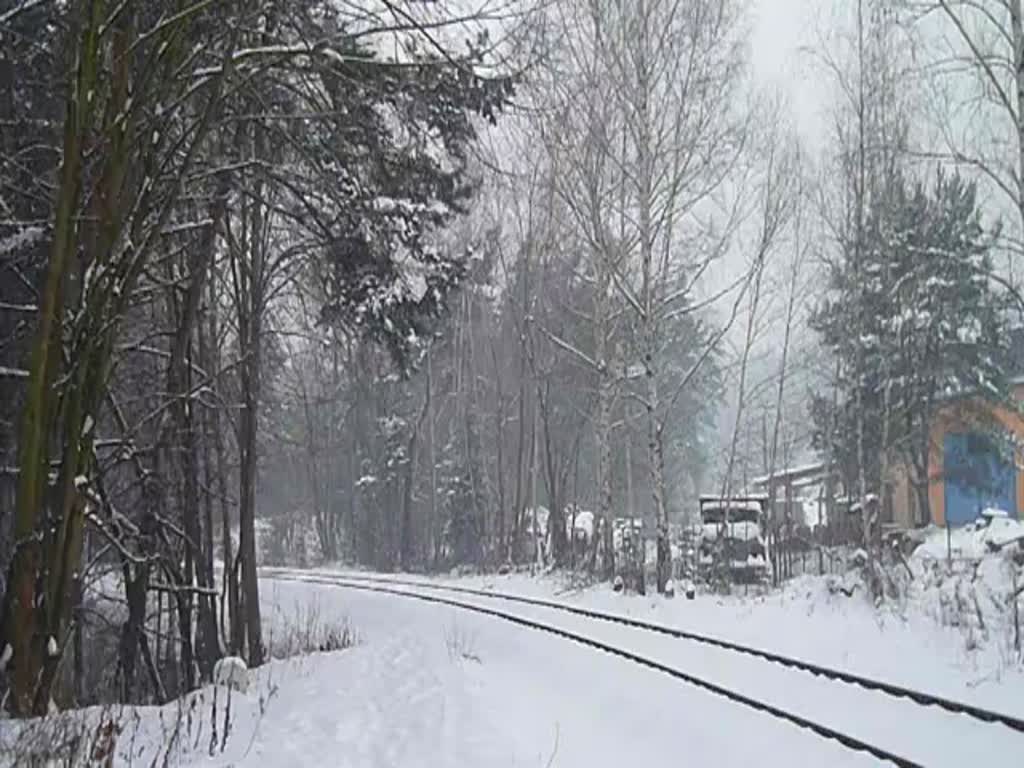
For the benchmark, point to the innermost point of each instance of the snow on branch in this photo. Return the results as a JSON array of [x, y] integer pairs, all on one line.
[[20, 239], [188, 226], [27, 5], [27, 308], [597, 365]]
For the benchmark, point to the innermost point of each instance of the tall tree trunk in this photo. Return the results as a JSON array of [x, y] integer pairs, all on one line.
[[209, 623], [249, 276], [229, 613], [250, 336], [538, 540], [603, 433], [780, 391], [181, 441], [409, 484], [1017, 40], [179, 379], [432, 458], [649, 301], [523, 390], [499, 436], [861, 201], [555, 483], [20, 599]]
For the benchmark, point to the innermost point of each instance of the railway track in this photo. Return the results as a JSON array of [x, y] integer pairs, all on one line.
[[445, 595]]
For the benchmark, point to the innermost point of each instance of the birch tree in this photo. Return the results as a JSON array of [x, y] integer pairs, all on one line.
[[675, 74], [975, 65], [585, 141]]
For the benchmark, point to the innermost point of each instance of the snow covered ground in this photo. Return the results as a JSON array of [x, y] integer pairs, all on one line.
[[993, 529], [440, 687], [437, 687], [894, 724], [430, 685], [903, 643]]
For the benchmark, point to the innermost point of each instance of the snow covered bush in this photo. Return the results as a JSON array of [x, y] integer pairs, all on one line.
[[976, 597], [232, 672]]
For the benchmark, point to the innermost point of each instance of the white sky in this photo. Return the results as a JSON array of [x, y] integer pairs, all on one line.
[[779, 29]]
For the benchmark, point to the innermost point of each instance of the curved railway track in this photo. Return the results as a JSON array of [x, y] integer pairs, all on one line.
[[402, 588]]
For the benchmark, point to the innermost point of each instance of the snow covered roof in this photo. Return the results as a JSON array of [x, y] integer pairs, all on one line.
[[808, 468], [736, 499], [733, 506]]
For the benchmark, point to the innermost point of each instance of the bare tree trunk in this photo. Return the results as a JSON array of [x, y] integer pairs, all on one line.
[[179, 385], [249, 279], [604, 470], [603, 431], [209, 580], [409, 483], [217, 483], [648, 297], [780, 392], [501, 553], [538, 540], [21, 628], [78, 669], [860, 196], [1017, 41], [555, 483], [521, 450], [432, 457]]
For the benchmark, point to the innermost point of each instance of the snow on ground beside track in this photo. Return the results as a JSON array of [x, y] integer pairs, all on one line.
[[435, 687], [904, 645], [471, 690], [926, 735]]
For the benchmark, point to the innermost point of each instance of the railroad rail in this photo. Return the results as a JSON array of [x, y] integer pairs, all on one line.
[[818, 670], [400, 588], [850, 742]]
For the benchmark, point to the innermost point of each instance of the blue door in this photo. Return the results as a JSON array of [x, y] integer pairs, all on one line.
[[978, 473]]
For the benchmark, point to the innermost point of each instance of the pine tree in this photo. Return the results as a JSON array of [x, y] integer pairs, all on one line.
[[934, 325]]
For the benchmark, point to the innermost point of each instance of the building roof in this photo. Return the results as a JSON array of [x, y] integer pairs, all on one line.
[[791, 473]]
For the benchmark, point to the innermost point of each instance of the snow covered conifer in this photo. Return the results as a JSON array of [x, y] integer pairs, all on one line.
[[933, 324]]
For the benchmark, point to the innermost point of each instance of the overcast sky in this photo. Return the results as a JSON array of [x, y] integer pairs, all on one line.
[[780, 29]]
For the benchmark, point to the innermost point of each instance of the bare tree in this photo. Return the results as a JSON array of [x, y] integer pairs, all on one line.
[[675, 69], [975, 65], [778, 201]]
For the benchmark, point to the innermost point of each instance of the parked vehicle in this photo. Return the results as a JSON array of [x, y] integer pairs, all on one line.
[[732, 542]]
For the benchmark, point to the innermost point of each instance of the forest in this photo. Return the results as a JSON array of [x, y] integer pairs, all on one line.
[[306, 281]]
